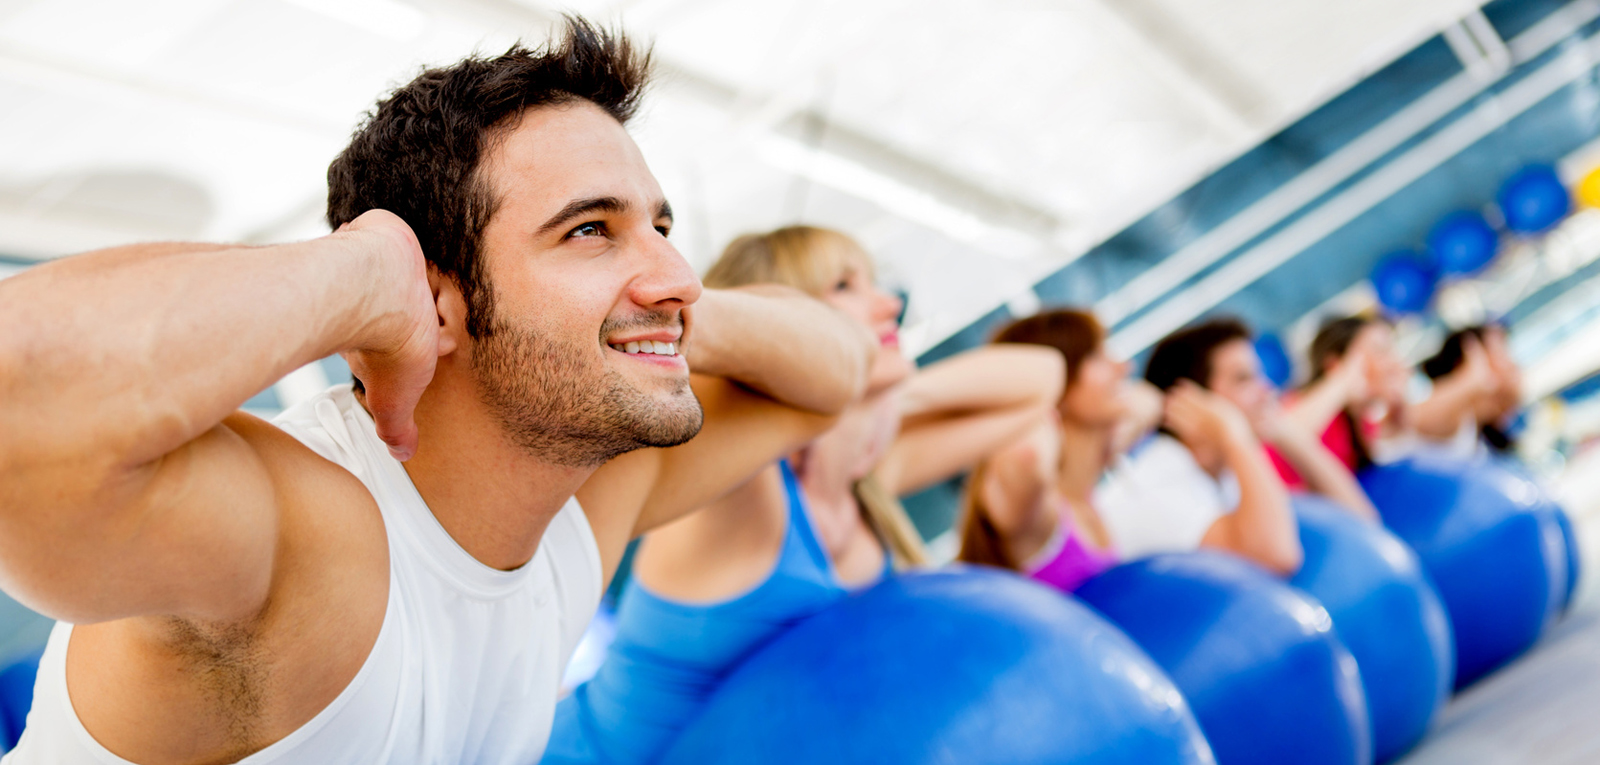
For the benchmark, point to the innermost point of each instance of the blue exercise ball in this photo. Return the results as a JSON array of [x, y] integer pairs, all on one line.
[[1386, 612], [1405, 281], [1275, 363], [1491, 544], [1258, 660], [966, 665], [1533, 199], [1569, 535], [16, 697], [1463, 243]]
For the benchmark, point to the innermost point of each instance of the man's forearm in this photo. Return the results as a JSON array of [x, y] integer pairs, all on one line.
[[137, 350], [783, 344], [1266, 527]]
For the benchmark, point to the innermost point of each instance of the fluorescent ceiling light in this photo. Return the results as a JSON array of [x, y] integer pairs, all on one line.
[[852, 178]]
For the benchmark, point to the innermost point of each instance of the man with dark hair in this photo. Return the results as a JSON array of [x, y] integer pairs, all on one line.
[[1204, 481], [1208, 479], [395, 572], [1219, 356]]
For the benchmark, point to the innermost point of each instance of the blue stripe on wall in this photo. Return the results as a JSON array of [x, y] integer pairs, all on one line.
[[1513, 17]]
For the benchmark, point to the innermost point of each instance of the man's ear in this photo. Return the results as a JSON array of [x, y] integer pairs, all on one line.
[[452, 307]]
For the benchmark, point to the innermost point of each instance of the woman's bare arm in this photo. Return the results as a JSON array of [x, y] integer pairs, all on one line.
[[958, 411]]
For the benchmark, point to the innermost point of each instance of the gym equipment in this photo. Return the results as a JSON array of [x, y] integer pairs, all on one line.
[[1404, 281], [1258, 660], [1386, 612], [966, 665], [1569, 539], [1463, 243], [1533, 199], [1275, 363], [1491, 544], [1569, 535], [16, 697], [1588, 190]]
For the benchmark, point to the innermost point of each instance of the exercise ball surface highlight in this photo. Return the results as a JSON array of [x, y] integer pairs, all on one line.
[[1569, 539], [1269, 680], [1463, 243], [1569, 534], [966, 665], [1386, 611], [1533, 199], [1405, 281], [1491, 544]]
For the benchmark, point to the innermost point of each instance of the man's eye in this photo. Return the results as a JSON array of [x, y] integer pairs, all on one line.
[[842, 286], [664, 230], [589, 229]]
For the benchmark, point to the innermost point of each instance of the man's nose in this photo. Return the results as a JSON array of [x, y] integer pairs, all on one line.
[[665, 278]]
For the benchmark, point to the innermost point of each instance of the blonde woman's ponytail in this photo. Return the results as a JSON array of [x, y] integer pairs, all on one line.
[[888, 520]]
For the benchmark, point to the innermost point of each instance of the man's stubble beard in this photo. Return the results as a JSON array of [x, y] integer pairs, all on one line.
[[554, 402]]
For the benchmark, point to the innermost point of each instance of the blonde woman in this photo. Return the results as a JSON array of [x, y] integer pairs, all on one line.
[[710, 589]]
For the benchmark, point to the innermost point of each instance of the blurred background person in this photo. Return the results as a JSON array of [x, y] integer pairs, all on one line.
[[1355, 401], [1204, 480], [1030, 506], [1477, 390], [706, 592]]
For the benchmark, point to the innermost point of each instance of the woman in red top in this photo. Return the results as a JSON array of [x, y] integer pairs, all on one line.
[[1355, 400]]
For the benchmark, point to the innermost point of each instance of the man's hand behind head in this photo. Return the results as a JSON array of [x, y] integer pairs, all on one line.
[[394, 356], [1202, 419]]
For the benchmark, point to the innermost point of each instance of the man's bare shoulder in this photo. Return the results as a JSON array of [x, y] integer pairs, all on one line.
[[232, 687], [330, 530]]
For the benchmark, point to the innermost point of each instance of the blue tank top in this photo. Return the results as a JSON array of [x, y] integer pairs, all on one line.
[[668, 657]]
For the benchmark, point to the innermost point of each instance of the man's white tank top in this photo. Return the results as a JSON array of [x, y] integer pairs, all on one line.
[[467, 665]]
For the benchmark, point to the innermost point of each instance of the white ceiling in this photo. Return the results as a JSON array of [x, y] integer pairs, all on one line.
[[974, 146]]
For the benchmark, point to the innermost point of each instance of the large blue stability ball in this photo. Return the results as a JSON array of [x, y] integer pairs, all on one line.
[[1491, 544], [1569, 535], [1533, 199], [1405, 281], [958, 666], [1463, 243], [1386, 612], [1258, 660]]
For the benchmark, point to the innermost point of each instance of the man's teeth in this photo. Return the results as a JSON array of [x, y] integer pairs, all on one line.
[[647, 346]]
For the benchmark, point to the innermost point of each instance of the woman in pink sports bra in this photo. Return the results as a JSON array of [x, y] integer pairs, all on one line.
[[1028, 507]]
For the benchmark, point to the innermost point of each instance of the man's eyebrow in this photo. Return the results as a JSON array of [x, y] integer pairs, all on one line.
[[664, 211], [580, 207]]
